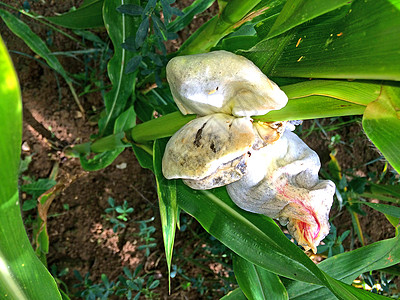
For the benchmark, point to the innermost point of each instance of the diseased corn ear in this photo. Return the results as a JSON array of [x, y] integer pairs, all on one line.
[[210, 151], [222, 82], [282, 182]]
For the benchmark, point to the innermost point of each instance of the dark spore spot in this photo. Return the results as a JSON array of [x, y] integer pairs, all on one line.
[[212, 147], [197, 139]]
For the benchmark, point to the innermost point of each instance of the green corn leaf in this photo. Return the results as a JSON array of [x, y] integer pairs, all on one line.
[[99, 161], [390, 190], [258, 239], [88, 15], [386, 209], [382, 125], [348, 266], [359, 41], [22, 275], [119, 27], [236, 294], [297, 12], [380, 197], [166, 190], [254, 237], [125, 121], [144, 158], [256, 282], [324, 98]]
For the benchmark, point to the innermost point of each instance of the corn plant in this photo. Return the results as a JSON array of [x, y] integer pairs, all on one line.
[[331, 58]]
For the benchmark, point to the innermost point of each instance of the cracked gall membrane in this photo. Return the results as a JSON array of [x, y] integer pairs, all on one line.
[[266, 168]]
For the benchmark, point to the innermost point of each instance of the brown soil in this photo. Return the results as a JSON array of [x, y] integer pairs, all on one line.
[[81, 237]]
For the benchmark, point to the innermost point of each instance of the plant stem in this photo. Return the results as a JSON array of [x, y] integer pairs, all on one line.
[[158, 128], [71, 87]]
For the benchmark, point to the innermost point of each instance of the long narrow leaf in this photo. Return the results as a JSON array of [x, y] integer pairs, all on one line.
[[33, 41], [119, 27], [390, 210], [257, 239], [348, 266], [256, 282], [38, 46], [254, 237], [22, 275], [166, 190], [359, 41], [235, 295], [382, 125], [296, 12], [88, 15]]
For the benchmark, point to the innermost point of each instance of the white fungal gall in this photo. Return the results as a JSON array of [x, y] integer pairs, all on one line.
[[222, 82], [210, 151], [282, 183], [266, 168]]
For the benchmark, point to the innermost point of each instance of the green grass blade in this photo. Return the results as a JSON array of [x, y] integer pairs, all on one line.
[[119, 27], [22, 275], [88, 15], [34, 42], [348, 266], [382, 125], [166, 190], [296, 12], [256, 282]]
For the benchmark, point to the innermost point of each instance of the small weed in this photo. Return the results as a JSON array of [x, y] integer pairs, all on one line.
[[119, 214], [144, 234], [130, 286]]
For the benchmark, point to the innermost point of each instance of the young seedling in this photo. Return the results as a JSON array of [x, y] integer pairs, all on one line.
[[119, 214], [145, 235]]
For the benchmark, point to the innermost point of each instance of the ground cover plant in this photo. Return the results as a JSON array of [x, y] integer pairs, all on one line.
[[335, 59]]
